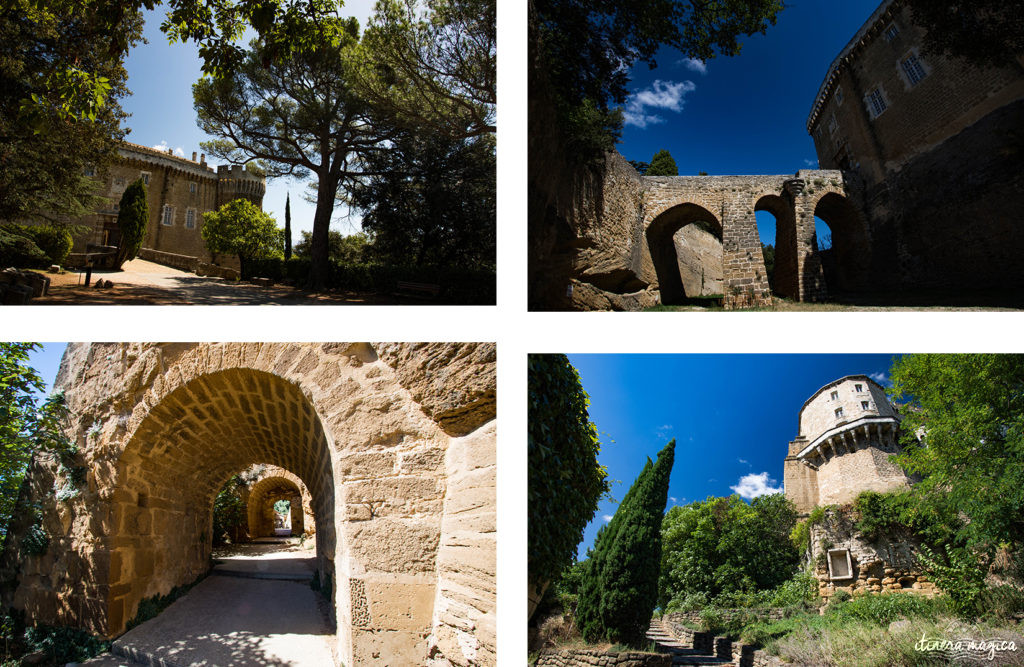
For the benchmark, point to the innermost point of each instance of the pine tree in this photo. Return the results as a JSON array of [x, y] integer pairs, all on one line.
[[288, 226], [620, 587], [132, 216], [662, 164]]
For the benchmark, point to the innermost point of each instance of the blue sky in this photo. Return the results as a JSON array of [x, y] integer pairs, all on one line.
[[746, 114], [732, 416], [46, 361], [160, 76]]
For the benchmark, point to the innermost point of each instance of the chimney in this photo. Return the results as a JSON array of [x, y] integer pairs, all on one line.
[[193, 156], [202, 158]]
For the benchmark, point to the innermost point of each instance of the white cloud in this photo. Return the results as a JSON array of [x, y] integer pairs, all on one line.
[[753, 485], [660, 95], [811, 163], [880, 378], [694, 65], [606, 517], [673, 499], [662, 431], [163, 147], [743, 461]]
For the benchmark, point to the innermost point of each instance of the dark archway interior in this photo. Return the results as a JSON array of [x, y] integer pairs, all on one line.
[[692, 274], [846, 263], [262, 497], [189, 445], [783, 278]]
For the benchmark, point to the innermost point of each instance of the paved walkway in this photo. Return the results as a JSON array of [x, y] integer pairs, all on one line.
[[143, 282], [255, 615]]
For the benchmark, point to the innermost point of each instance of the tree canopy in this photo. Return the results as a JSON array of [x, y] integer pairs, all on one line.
[[27, 423], [724, 545], [295, 117], [350, 249], [620, 583], [662, 164], [431, 199], [432, 66], [61, 79], [968, 410], [241, 228], [582, 52], [565, 480], [984, 32]]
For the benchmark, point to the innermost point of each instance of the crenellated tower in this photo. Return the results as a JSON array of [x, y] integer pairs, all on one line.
[[237, 182]]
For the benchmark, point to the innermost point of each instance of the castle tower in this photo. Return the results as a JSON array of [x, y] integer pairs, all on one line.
[[236, 182], [848, 431]]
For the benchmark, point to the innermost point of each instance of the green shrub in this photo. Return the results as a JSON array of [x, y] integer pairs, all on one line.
[[56, 242], [20, 251], [884, 609], [802, 589], [64, 645]]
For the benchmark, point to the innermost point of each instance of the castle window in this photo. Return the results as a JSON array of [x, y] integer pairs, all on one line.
[[892, 32], [145, 177], [192, 187], [834, 396], [876, 102], [168, 218], [190, 218], [840, 566], [839, 96], [833, 125], [858, 388], [839, 413], [863, 405], [89, 171], [913, 69]]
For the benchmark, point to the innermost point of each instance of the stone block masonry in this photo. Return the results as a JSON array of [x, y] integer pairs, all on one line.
[[594, 658], [398, 463]]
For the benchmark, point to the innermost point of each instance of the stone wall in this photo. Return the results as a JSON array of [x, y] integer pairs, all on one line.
[[723, 648], [594, 658], [888, 565], [818, 414], [402, 490]]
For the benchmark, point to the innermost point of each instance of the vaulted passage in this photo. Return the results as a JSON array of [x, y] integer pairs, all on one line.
[[190, 444], [846, 256], [685, 243], [785, 275], [265, 494]]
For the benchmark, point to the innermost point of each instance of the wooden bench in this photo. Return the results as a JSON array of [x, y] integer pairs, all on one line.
[[421, 290]]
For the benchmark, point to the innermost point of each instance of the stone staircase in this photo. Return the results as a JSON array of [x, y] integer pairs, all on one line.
[[682, 654]]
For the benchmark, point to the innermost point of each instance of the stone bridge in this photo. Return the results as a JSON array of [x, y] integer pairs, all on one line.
[[628, 241], [702, 236], [395, 444]]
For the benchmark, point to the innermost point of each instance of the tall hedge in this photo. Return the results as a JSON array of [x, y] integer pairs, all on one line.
[[565, 479], [132, 217], [620, 587]]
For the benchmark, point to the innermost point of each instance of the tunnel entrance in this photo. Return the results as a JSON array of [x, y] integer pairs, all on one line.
[[686, 248]]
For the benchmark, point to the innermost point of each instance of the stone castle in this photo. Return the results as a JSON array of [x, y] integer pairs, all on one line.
[[178, 192], [848, 432], [909, 146], [392, 446]]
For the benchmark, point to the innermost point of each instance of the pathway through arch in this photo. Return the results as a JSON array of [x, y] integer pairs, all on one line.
[[255, 608]]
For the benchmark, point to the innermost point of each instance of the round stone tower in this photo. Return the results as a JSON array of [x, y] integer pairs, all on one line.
[[236, 182], [848, 431]]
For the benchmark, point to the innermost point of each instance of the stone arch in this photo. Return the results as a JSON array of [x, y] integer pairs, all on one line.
[[685, 243], [274, 485], [191, 442], [846, 266], [785, 281]]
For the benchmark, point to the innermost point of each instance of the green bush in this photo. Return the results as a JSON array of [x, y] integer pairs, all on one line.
[[20, 251], [884, 609]]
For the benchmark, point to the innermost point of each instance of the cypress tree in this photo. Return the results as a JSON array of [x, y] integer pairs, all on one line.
[[620, 588], [662, 164], [288, 226], [132, 216]]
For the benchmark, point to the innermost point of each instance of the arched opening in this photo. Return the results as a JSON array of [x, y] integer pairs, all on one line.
[[776, 222], [192, 442], [267, 496], [841, 242], [686, 247]]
